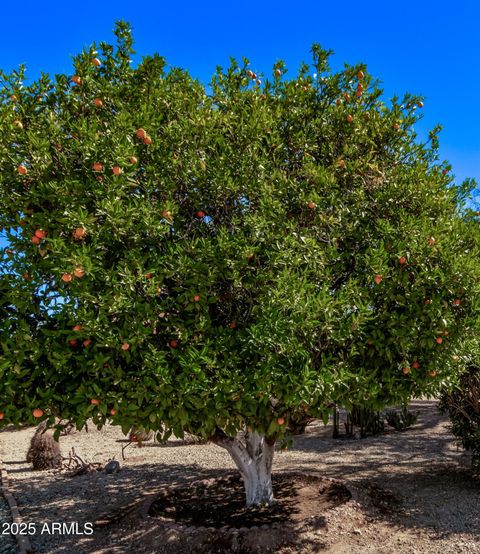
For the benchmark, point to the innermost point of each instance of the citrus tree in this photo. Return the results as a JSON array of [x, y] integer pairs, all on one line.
[[224, 260]]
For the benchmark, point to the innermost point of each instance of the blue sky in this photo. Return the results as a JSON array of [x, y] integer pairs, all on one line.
[[429, 48]]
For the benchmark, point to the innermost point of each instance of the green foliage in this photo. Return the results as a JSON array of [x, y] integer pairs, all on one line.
[[226, 276], [463, 407]]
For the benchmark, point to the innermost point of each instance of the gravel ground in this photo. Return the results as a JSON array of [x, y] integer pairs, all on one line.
[[8, 544], [414, 489]]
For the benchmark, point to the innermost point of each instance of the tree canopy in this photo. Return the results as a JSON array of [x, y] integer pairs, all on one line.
[[213, 258]]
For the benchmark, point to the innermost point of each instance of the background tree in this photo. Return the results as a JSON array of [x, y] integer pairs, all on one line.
[[224, 260]]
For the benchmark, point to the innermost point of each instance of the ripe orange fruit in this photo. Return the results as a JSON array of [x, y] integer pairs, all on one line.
[[2, 415], [281, 420], [26, 276], [311, 205], [87, 342], [125, 346], [148, 275], [113, 411], [98, 103], [420, 104], [173, 343], [402, 260], [200, 214], [341, 164], [133, 160], [444, 171], [79, 272], [278, 72], [196, 298], [349, 118], [396, 126], [77, 328], [378, 279], [346, 96], [37, 412], [405, 370], [73, 343], [14, 98], [338, 102], [95, 401], [457, 302], [431, 241], [36, 240], [439, 340], [97, 166], [232, 325], [77, 80], [22, 170], [147, 140], [40, 233], [66, 277], [432, 373], [116, 170], [427, 301], [360, 74], [96, 62], [250, 73], [141, 133], [79, 233], [416, 364], [358, 93]]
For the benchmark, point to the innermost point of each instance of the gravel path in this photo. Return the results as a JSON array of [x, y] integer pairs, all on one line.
[[8, 544], [416, 493]]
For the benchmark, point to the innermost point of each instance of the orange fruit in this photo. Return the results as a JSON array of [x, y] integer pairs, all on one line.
[[133, 160], [98, 103], [77, 80], [14, 98], [349, 118], [116, 170], [113, 411], [405, 370], [415, 364], [341, 164], [457, 302], [141, 133], [378, 279], [96, 62], [79, 272], [66, 277], [2, 415], [281, 420], [22, 170], [125, 346], [73, 343], [200, 214], [26, 276], [338, 102], [95, 401], [432, 373], [36, 240], [396, 126], [97, 166], [79, 233], [346, 96], [250, 73], [87, 342], [402, 260], [427, 301], [420, 104], [173, 343], [40, 233], [311, 205], [147, 140], [360, 74], [232, 325], [77, 328], [37, 412], [431, 241], [196, 298], [439, 340]]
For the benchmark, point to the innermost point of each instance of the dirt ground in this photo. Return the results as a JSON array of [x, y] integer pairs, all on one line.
[[412, 491]]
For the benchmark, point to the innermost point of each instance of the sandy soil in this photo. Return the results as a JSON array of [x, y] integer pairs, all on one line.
[[413, 491]]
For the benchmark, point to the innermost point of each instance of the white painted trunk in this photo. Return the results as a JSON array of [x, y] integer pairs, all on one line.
[[254, 460]]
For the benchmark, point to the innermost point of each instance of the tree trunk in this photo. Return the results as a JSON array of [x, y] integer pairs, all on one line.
[[254, 459]]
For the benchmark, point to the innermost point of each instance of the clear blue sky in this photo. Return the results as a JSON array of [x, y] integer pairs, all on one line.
[[429, 48]]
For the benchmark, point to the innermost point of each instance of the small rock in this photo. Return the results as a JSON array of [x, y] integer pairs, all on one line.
[[112, 467], [357, 531]]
